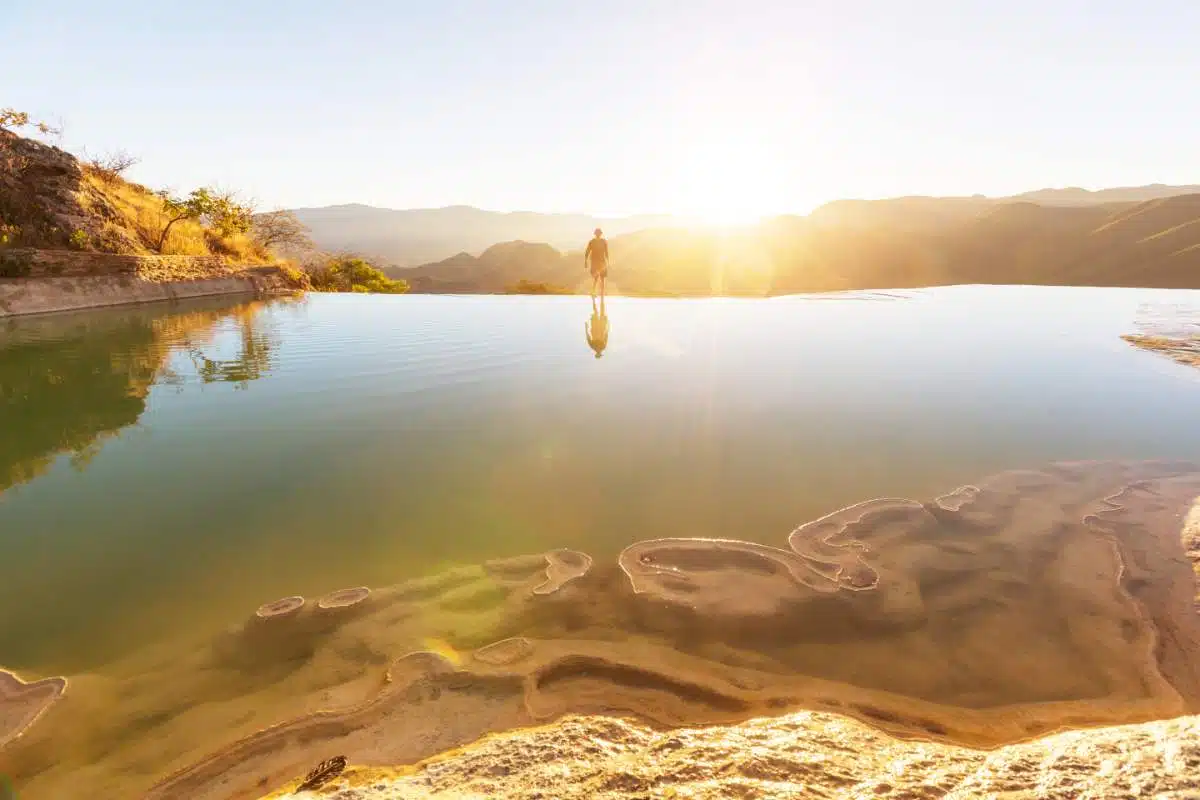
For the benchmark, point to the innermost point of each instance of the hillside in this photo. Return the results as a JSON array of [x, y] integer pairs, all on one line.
[[411, 237], [50, 199], [858, 245]]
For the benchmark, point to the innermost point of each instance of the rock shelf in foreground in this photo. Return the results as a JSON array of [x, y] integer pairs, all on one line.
[[801, 755]]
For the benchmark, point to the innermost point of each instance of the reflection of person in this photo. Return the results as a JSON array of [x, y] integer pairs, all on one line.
[[595, 260], [596, 329]]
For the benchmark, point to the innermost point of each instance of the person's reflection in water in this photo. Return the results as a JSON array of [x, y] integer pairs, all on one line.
[[597, 328]]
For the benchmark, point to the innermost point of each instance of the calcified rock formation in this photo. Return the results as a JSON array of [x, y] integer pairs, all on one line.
[[808, 754], [22, 703], [1027, 603], [284, 607], [1169, 330], [505, 651], [344, 598], [1191, 543], [559, 567]]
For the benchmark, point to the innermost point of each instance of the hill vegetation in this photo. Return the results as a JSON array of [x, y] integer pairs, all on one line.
[[352, 274], [908, 242]]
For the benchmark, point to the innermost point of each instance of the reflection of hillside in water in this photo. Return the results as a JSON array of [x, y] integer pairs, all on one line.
[[68, 382], [1031, 601]]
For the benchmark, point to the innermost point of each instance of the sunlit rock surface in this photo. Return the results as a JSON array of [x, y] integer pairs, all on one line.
[[802, 755]]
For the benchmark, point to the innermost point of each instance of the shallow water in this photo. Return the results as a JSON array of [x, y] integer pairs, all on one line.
[[169, 470]]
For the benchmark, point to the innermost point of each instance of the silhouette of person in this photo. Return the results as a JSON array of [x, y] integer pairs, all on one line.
[[596, 329], [595, 260]]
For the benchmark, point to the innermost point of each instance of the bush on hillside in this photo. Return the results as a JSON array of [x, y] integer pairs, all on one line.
[[353, 274], [112, 166]]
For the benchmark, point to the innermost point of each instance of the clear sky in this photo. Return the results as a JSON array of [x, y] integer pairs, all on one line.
[[724, 108]]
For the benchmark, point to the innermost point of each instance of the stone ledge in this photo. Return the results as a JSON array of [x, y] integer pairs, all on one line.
[[25, 263], [44, 295]]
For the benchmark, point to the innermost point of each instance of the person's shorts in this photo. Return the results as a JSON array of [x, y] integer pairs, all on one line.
[[599, 270]]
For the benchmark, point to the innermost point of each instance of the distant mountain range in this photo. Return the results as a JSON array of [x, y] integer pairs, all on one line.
[[1135, 236], [906, 242], [405, 238], [1083, 197], [408, 237]]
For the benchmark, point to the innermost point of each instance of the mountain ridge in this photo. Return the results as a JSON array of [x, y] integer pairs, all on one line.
[[418, 236], [409, 237], [1155, 243]]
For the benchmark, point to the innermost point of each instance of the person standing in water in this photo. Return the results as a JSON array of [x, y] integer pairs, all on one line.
[[595, 260]]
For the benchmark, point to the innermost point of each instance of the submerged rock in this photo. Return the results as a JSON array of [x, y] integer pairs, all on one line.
[[284, 607]]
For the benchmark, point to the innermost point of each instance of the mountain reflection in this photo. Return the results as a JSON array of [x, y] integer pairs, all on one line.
[[69, 382]]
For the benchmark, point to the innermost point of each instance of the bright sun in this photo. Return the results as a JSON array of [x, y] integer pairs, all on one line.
[[725, 181]]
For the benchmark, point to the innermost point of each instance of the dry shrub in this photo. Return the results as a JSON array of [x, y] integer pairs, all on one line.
[[110, 166], [237, 247]]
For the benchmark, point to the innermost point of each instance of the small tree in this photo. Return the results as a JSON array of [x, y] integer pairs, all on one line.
[[229, 217], [281, 229], [218, 209], [10, 118]]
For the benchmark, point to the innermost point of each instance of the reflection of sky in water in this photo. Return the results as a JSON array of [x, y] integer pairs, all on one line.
[[1166, 318], [390, 436]]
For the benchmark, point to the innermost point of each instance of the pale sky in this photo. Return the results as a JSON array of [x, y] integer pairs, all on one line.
[[728, 109]]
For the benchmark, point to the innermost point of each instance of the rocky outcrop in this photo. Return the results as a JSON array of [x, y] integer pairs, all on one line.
[[44, 199], [803, 755], [800, 755]]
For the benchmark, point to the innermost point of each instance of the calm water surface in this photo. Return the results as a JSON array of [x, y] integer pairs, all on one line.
[[163, 471]]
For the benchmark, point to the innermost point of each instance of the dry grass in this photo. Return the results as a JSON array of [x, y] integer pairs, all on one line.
[[140, 219]]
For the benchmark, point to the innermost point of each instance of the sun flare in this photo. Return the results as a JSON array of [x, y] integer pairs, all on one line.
[[727, 179]]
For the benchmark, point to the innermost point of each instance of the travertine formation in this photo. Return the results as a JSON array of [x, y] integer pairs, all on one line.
[[22, 703], [797, 756], [344, 598], [1027, 603], [1170, 330], [284, 607]]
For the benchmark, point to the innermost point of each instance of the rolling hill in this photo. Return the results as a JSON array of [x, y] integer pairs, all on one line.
[[409, 237], [406, 238], [907, 243]]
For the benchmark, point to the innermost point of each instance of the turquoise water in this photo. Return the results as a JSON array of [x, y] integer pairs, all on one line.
[[166, 470]]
